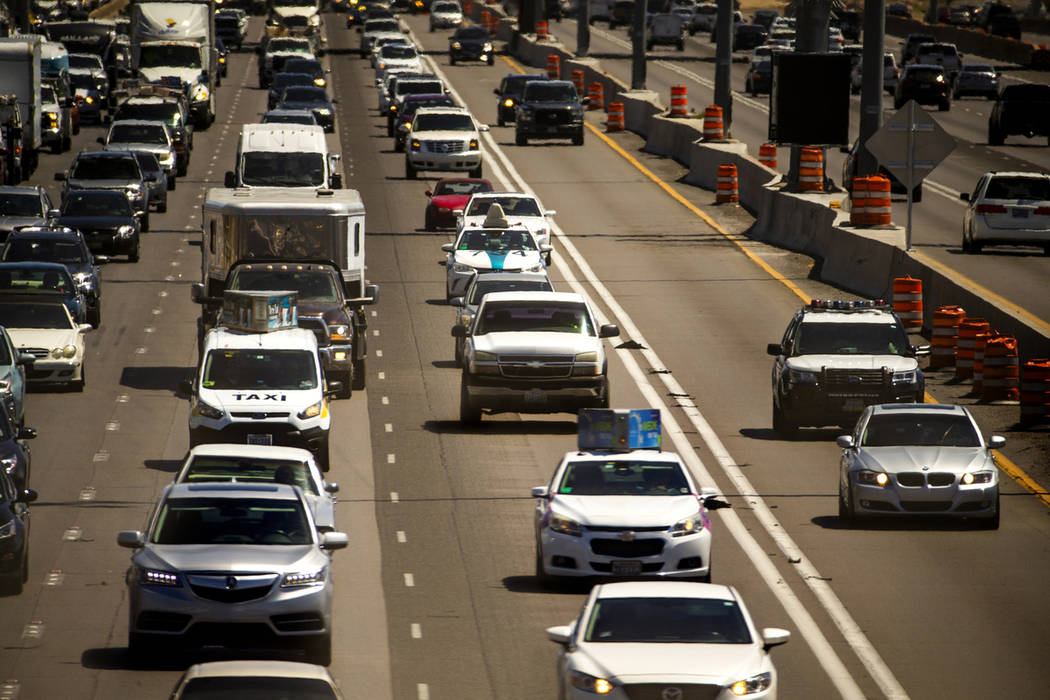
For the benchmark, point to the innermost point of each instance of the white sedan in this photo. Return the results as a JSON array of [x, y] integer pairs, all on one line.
[[634, 513], [1008, 208], [397, 56], [255, 464], [665, 639], [46, 331], [521, 209]]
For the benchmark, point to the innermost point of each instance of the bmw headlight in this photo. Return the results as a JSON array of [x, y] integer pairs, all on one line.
[[125, 231], [202, 408], [591, 684], [800, 376], [970, 478], [311, 411], [158, 577], [305, 578], [872, 478], [565, 526], [688, 526], [909, 377], [754, 684]]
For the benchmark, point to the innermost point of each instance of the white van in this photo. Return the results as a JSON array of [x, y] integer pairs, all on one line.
[[284, 155]]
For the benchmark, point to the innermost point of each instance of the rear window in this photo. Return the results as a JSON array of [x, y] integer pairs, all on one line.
[[1027, 92], [1034, 188]]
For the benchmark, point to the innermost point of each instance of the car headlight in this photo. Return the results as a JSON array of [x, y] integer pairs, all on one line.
[[202, 408], [482, 356], [340, 332], [461, 268], [311, 411], [60, 353], [591, 684], [872, 478], [565, 526], [200, 94], [320, 82], [415, 144], [324, 110], [158, 577], [486, 46], [381, 66], [82, 278], [800, 376], [909, 377], [315, 20], [688, 526], [125, 231], [456, 45], [473, 146], [8, 464], [7, 529], [90, 100], [587, 356], [305, 578], [754, 684], [976, 478], [509, 102]]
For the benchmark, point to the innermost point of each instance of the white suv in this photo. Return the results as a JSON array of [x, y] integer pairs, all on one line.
[[444, 138]]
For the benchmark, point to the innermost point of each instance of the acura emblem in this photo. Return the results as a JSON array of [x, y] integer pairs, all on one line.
[[627, 536], [926, 468], [672, 693], [231, 582]]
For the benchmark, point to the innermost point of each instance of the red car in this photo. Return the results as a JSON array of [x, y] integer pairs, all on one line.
[[449, 195]]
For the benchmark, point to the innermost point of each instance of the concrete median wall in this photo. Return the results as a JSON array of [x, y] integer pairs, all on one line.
[[968, 41]]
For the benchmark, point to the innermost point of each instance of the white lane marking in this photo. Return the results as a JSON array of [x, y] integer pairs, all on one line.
[[422, 691], [162, 293], [388, 427], [410, 581], [100, 456], [140, 350], [112, 425], [123, 398], [391, 458], [55, 577], [71, 534], [382, 375], [416, 630], [148, 329], [385, 401], [394, 497], [87, 493], [401, 537], [33, 630], [10, 689], [379, 353], [817, 641]]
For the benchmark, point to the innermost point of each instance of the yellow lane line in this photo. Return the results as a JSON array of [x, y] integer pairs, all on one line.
[[1002, 460]]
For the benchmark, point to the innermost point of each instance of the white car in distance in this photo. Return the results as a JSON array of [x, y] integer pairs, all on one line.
[[49, 333]]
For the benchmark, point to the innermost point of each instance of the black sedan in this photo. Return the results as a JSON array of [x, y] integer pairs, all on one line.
[[471, 43], [58, 244], [286, 79], [759, 77], [106, 220], [312, 98], [14, 534], [509, 92]]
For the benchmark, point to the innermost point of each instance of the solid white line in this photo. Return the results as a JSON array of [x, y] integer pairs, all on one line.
[[410, 581], [817, 641], [401, 538], [416, 630], [422, 691]]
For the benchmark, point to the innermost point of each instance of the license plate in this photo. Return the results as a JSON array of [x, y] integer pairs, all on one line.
[[626, 568], [260, 439], [1021, 213], [853, 405], [552, 129], [535, 396]]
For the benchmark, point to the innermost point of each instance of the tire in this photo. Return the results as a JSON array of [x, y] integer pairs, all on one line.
[[163, 206], [604, 399], [1046, 250], [399, 147], [476, 172], [180, 170], [577, 140], [321, 455], [171, 183], [992, 523], [348, 385], [681, 46], [500, 121], [133, 256], [428, 221], [94, 317], [410, 172], [145, 221], [390, 127], [846, 515], [67, 143], [79, 384], [995, 137], [492, 59], [56, 147], [520, 139], [782, 426], [458, 352], [451, 60], [359, 374], [944, 106], [966, 247], [469, 412], [549, 259], [544, 579]]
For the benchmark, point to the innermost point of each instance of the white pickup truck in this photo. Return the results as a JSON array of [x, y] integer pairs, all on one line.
[[533, 352]]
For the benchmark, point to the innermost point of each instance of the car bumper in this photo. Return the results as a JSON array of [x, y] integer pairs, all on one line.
[[534, 396], [530, 128], [110, 243], [425, 160], [283, 434], [54, 371], [810, 407], [976, 501], [984, 233], [471, 55], [336, 358], [680, 557]]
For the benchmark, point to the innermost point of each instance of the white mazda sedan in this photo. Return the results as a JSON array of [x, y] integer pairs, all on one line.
[[665, 639]]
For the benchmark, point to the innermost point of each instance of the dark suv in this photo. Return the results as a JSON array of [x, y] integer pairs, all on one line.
[[109, 170], [471, 43], [1022, 109], [170, 110], [549, 109], [509, 92], [927, 84]]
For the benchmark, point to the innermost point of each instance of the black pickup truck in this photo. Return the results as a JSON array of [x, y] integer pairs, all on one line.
[[549, 109], [1022, 109]]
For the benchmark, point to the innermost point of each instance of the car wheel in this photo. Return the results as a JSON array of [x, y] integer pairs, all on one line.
[[144, 649], [846, 514], [783, 426], [549, 259], [359, 374], [180, 170], [133, 256], [321, 454], [967, 248], [399, 147], [171, 183], [492, 59], [25, 559], [944, 106], [458, 352], [577, 140], [542, 577], [348, 385], [94, 316], [451, 60], [79, 384], [145, 221], [410, 172], [500, 121], [67, 143], [897, 104], [162, 206], [992, 523], [1046, 250], [428, 221], [56, 147], [681, 46], [604, 400], [995, 137], [389, 127], [469, 412], [520, 139], [476, 172]]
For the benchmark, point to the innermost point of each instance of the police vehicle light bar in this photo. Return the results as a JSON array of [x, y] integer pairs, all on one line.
[[618, 429], [846, 304]]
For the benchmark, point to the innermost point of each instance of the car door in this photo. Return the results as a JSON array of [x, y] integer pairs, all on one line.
[[18, 375], [781, 360]]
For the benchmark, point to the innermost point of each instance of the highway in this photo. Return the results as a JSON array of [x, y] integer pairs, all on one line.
[[435, 595]]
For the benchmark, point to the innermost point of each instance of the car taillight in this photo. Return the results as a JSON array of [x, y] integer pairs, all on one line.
[[1043, 211], [991, 209]]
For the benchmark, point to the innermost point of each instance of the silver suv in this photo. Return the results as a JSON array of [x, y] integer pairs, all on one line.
[[240, 565]]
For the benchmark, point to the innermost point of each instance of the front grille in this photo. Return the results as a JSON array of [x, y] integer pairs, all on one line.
[[926, 506], [627, 550], [444, 146], [231, 588], [940, 479], [913, 479], [662, 691], [618, 528], [548, 371], [854, 382], [298, 622], [221, 595], [553, 116], [535, 358], [259, 415], [606, 567], [918, 479], [157, 621], [38, 353]]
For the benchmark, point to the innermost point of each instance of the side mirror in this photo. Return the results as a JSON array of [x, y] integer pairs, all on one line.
[[331, 487], [101, 259], [844, 441], [60, 177], [132, 539], [609, 330], [560, 635], [457, 301], [996, 442], [459, 331], [773, 637], [585, 100], [85, 327], [185, 387], [774, 349], [334, 388], [230, 180], [546, 248], [25, 433], [334, 540], [540, 491], [964, 196], [429, 193], [483, 127], [197, 293], [27, 496], [337, 181], [551, 212], [496, 91], [372, 292], [448, 247], [404, 129], [457, 213], [101, 139]]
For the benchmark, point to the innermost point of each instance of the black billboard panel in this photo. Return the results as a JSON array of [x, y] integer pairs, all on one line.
[[809, 102]]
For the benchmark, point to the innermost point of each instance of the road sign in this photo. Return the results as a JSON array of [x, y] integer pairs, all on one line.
[[929, 146]]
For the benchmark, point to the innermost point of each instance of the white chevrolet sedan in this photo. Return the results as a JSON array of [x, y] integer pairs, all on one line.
[[634, 513], [665, 639]]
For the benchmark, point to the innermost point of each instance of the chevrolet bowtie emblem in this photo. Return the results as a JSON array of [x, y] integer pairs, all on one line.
[[627, 536], [672, 693]]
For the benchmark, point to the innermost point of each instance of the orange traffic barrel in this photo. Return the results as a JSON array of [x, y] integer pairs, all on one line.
[[713, 123], [946, 320], [1035, 392], [553, 66], [614, 118], [595, 96], [907, 301], [541, 29], [727, 192], [577, 80], [858, 202], [811, 169], [980, 342], [965, 343], [493, 24], [1001, 371], [878, 208], [468, 7], [483, 20], [679, 101], [767, 155]]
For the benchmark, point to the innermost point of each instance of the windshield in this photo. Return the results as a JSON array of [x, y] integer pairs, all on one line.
[[919, 429], [293, 45], [97, 204], [496, 241], [34, 315], [409, 107], [461, 187], [514, 84], [249, 470], [23, 249], [381, 25], [81, 61], [147, 162], [231, 521], [542, 92], [419, 87], [138, 133], [622, 478], [667, 621], [472, 33], [482, 286], [443, 122], [397, 51], [267, 169], [535, 316], [287, 370], [105, 169], [304, 118], [298, 93], [260, 688], [512, 206], [290, 79], [30, 280], [1019, 188], [311, 285], [303, 65], [154, 56], [164, 112], [445, 7], [1039, 93], [851, 339], [13, 204], [47, 95], [83, 81]]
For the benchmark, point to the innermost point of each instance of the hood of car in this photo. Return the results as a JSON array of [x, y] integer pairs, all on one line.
[[96, 222], [121, 184], [716, 664], [451, 201], [814, 363], [626, 511], [44, 337], [260, 400], [509, 260], [185, 74], [294, 11], [10, 223], [246, 558], [533, 223], [535, 343], [913, 459], [309, 106]]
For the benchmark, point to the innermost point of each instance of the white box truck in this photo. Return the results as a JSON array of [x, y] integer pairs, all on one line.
[[20, 76], [284, 155]]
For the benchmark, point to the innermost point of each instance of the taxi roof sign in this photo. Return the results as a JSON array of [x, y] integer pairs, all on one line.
[[618, 429]]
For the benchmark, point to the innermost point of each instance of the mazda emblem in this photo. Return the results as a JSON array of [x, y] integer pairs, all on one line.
[[672, 693], [231, 582]]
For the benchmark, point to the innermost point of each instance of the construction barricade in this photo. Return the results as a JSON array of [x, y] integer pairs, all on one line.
[[878, 210], [614, 120], [767, 155], [727, 192], [1035, 392], [468, 8], [577, 80], [980, 343], [964, 346], [492, 24], [713, 123], [541, 30], [858, 202], [679, 101], [1002, 377], [811, 169], [595, 96], [907, 301], [946, 320], [553, 66]]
